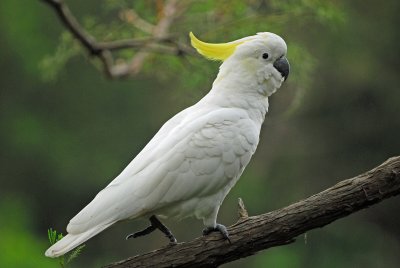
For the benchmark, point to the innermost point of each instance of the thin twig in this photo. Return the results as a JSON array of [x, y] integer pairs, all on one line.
[[168, 14], [132, 17], [242, 211], [73, 25], [131, 43]]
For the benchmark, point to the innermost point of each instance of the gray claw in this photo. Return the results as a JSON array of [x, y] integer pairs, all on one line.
[[218, 228]]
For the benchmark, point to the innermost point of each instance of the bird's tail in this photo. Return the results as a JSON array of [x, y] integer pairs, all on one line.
[[71, 241]]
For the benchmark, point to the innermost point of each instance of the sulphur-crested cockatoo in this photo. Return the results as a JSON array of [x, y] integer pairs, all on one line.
[[198, 155]]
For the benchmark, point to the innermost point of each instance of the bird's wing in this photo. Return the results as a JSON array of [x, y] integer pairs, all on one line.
[[195, 158], [141, 160]]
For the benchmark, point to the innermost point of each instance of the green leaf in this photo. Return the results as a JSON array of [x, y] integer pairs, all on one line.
[[75, 253], [62, 260]]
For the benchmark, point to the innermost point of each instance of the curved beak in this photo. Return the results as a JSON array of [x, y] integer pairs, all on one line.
[[283, 66]]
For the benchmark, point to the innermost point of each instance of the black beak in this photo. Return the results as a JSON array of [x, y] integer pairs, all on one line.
[[282, 65]]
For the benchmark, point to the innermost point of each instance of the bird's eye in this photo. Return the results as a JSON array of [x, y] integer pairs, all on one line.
[[265, 56]]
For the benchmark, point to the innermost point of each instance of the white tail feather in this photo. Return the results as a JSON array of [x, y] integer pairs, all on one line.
[[71, 241]]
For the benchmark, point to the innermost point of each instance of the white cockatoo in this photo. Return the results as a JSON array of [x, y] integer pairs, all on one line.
[[198, 155]]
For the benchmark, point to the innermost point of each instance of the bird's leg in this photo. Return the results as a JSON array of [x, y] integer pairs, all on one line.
[[155, 224], [146, 231], [218, 228]]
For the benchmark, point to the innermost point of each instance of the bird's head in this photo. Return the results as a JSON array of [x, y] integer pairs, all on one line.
[[258, 60]]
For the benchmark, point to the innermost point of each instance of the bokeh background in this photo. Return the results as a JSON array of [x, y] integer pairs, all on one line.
[[67, 130]]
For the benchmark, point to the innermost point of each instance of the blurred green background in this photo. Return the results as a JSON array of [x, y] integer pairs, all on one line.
[[66, 130]]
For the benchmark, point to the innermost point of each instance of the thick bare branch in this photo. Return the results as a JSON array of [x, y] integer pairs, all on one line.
[[280, 227], [159, 41]]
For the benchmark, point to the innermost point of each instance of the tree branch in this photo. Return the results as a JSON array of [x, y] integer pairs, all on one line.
[[160, 41], [280, 227], [133, 18], [168, 13]]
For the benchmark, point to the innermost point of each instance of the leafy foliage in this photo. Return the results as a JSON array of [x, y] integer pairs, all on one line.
[[52, 64], [63, 260], [215, 21]]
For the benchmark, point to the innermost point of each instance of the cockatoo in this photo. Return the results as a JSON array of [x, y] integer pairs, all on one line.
[[197, 156]]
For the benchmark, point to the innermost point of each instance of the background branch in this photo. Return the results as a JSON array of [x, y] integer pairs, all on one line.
[[280, 227], [158, 41]]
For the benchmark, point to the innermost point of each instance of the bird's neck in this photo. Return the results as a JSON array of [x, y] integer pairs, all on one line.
[[245, 85], [226, 94]]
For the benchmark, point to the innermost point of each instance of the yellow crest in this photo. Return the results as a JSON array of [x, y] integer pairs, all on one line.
[[220, 51]]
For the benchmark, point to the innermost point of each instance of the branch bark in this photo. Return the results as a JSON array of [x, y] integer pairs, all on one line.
[[280, 227], [159, 41]]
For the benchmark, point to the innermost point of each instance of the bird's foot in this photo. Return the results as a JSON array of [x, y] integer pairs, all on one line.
[[155, 224], [218, 228]]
